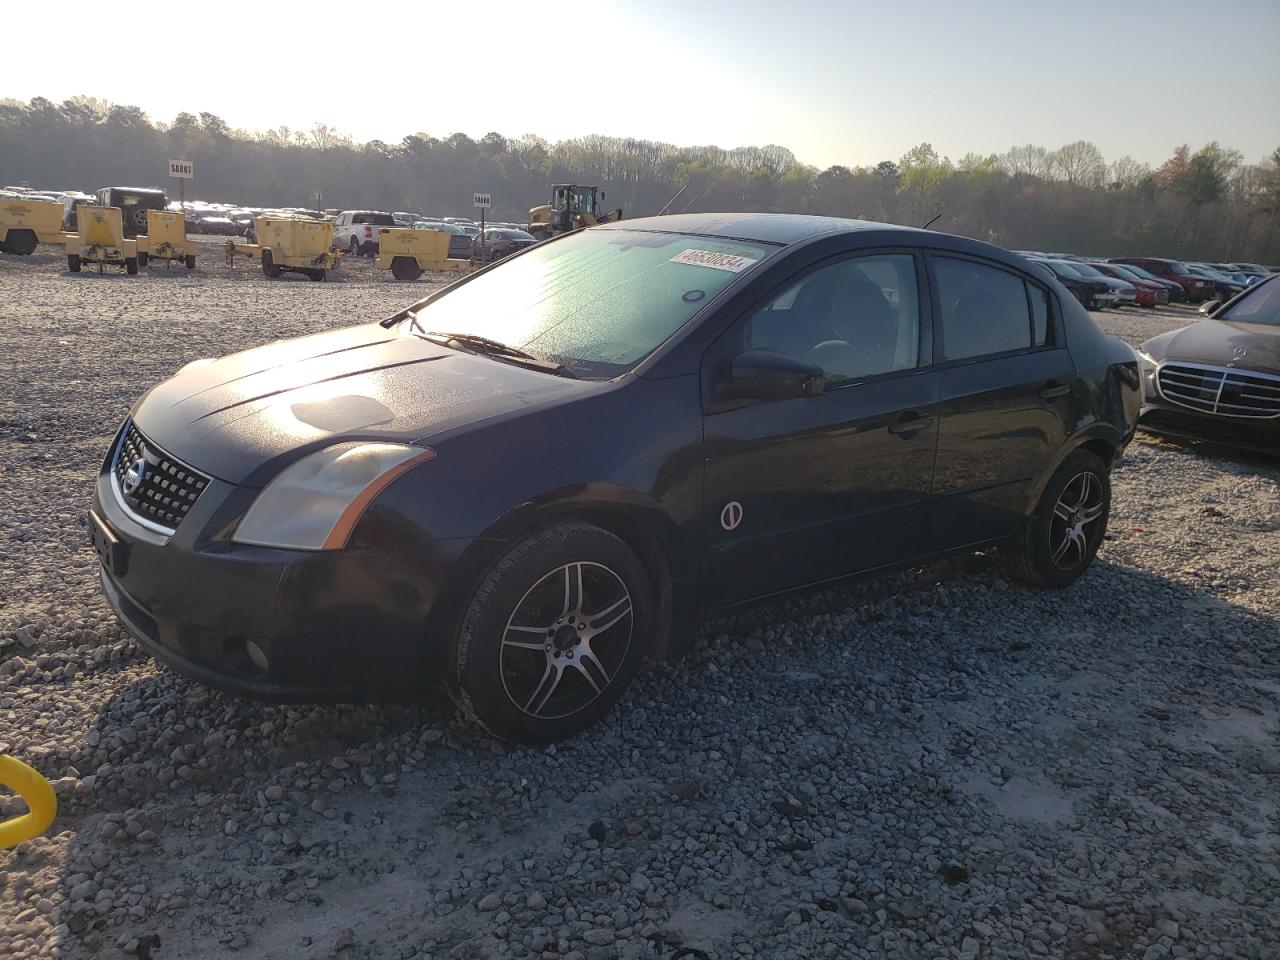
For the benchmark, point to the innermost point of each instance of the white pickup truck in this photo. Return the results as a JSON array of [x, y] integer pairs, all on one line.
[[357, 231]]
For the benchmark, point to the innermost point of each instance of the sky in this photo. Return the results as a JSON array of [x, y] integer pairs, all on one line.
[[850, 82]]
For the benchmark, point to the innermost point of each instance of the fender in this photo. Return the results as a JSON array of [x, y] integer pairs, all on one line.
[[629, 514]]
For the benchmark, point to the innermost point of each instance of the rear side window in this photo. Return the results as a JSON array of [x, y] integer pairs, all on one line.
[[985, 310]]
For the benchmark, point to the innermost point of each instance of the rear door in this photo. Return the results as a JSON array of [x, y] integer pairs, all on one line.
[[1007, 390], [806, 489]]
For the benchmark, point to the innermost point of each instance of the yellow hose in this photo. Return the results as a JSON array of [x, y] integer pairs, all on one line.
[[42, 803]]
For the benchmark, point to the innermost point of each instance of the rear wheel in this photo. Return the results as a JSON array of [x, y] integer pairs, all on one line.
[[143, 259], [317, 274], [553, 635], [405, 268], [354, 248], [1062, 537], [131, 265], [73, 262], [20, 242], [269, 268], [191, 261]]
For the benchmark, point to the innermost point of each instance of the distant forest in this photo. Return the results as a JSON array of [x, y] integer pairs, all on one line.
[[1204, 203]]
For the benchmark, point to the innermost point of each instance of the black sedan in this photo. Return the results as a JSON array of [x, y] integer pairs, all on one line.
[[1219, 379], [500, 243], [527, 482]]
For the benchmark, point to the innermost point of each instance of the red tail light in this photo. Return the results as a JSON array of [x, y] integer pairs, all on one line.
[[368, 231]]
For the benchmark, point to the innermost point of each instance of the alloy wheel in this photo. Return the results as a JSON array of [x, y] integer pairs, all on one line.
[[566, 640], [1073, 531]]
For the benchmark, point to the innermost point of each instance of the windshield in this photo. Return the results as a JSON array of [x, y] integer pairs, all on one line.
[[597, 301], [1178, 268], [1259, 305], [1144, 274], [1087, 271]]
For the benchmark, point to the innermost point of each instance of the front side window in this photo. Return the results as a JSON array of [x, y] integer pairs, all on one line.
[[984, 309], [598, 301], [856, 318]]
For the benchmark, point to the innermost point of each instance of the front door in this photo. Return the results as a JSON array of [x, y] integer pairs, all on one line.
[[807, 489]]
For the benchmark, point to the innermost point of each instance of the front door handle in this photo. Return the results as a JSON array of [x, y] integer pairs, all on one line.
[[1055, 390], [909, 424]]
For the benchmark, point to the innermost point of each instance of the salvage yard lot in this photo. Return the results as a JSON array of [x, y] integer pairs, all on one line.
[[938, 763]]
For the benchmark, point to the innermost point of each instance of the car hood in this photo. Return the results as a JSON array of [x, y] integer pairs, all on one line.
[[1225, 343], [242, 417]]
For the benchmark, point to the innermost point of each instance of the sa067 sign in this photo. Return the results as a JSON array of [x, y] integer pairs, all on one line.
[[182, 169]]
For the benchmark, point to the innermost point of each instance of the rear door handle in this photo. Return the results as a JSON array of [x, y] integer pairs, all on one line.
[[1055, 390], [909, 424]]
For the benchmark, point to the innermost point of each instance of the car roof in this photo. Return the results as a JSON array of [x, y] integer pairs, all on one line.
[[783, 228]]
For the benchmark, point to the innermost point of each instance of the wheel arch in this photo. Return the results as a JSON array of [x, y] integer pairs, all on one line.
[[648, 530], [1099, 438]]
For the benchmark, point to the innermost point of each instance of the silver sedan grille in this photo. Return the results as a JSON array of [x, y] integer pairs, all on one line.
[[1222, 391]]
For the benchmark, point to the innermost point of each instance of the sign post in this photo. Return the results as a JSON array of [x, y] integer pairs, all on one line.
[[483, 201], [182, 171]]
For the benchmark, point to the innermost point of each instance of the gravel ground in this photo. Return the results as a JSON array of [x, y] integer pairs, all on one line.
[[935, 764]]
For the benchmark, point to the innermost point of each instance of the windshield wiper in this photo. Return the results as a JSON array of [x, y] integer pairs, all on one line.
[[498, 350]]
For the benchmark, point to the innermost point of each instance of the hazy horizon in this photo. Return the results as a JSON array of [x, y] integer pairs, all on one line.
[[836, 83]]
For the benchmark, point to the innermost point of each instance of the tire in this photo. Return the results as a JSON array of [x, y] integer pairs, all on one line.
[[405, 268], [534, 682], [73, 262], [139, 220], [317, 274], [269, 268], [20, 242], [191, 261], [144, 259], [131, 266], [354, 247], [1048, 553]]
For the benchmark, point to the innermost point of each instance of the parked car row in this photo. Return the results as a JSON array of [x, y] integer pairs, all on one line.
[[1147, 281]]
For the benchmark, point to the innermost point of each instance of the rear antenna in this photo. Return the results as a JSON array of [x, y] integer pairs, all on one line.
[[936, 218]]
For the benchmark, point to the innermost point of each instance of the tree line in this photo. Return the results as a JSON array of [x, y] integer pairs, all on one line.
[[1207, 203]]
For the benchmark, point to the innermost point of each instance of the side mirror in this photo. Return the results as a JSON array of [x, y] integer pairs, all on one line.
[[1209, 306], [769, 375]]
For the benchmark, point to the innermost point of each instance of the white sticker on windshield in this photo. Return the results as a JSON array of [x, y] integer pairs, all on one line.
[[717, 261]]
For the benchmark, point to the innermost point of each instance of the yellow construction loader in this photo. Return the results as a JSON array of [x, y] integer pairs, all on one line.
[[572, 207]]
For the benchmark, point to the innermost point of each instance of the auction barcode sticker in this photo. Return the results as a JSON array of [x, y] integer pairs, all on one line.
[[717, 261]]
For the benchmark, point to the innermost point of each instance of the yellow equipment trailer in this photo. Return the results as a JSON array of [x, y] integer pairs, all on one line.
[[24, 223], [289, 244], [100, 239], [166, 239], [410, 253]]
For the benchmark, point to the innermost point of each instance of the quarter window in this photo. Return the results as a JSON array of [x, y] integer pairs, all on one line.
[[856, 319], [984, 310]]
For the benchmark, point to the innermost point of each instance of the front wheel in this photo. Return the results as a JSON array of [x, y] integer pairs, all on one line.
[[553, 635], [143, 258], [1062, 537], [269, 268]]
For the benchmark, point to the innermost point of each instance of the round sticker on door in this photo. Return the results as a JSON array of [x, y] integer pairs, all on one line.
[[731, 515]]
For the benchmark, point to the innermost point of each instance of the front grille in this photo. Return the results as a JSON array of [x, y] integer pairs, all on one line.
[[1223, 391], [168, 488]]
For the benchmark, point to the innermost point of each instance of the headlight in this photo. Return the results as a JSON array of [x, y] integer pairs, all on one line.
[[314, 504], [1145, 360]]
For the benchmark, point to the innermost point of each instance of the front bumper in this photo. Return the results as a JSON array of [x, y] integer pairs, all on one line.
[[1165, 419], [331, 626]]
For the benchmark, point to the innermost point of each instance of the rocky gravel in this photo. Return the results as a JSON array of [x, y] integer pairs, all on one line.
[[940, 763]]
